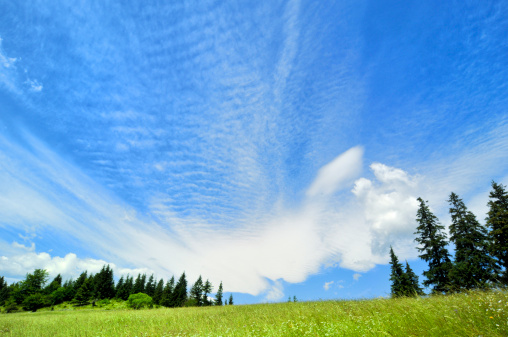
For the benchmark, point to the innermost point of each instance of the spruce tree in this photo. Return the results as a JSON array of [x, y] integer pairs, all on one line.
[[179, 296], [167, 293], [139, 284], [432, 246], [230, 299], [150, 286], [104, 283], [396, 275], [473, 267], [218, 296], [159, 289], [196, 291], [119, 287], [207, 288], [84, 292], [411, 283], [497, 221]]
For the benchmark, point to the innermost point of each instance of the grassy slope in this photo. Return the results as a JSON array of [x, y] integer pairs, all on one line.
[[475, 314]]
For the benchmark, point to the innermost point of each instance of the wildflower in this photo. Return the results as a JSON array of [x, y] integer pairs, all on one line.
[[491, 317]]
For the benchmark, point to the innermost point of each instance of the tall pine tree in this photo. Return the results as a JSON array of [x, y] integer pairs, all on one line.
[[179, 296], [497, 221], [159, 289], [196, 292], [410, 283], [167, 293], [432, 246], [218, 296], [396, 275], [473, 267]]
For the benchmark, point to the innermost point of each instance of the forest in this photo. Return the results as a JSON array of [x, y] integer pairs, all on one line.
[[32, 293], [481, 251]]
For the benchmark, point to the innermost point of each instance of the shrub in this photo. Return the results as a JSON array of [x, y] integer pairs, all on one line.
[[33, 302], [140, 300]]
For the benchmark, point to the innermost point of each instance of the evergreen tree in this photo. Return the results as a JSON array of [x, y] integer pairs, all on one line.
[[70, 291], [207, 288], [179, 296], [84, 292], [54, 285], [196, 292], [167, 293], [396, 275], [159, 289], [104, 283], [411, 284], [230, 299], [119, 286], [4, 291], [497, 221], [432, 246], [150, 286], [124, 290], [139, 284], [218, 296], [80, 280], [473, 266]]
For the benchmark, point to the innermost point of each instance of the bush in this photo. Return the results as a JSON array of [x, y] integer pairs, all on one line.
[[140, 300], [33, 302]]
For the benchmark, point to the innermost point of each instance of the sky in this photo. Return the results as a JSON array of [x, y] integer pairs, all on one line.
[[278, 147]]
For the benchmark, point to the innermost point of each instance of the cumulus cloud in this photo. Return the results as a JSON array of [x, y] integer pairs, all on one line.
[[327, 285], [275, 292]]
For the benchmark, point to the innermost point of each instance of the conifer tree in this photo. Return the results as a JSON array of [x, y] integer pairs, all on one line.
[[473, 267], [218, 296], [150, 286], [54, 285], [179, 296], [104, 283], [230, 299], [159, 289], [84, 292], [80, 280], [432, 246], [167, 293], [196, 292], [207, 288], [139, 284], [119, 287], [396, 275], [497, 221], [411, 283]]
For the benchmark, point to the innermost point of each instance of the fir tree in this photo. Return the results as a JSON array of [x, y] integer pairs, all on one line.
[[411, 284], [104, 283], [159, 289], [167, 293], [54, 285], [119, 287], [179, 296], [396, 275], [207, 288], [84, 292], [124, 291], [473, 267], [218, 296], [497, 221], [432, 246], [150, 286], [139, 284], [230, 299], [196, 292]]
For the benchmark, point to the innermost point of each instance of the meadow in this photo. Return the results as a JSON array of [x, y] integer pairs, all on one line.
[[471, 314]]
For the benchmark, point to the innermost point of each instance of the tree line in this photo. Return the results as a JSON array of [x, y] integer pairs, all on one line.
[[481, 251], [33, 292]]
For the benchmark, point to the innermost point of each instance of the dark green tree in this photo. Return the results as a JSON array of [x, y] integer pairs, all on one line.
[[207, 288], [473, 266], [150, 286], [125, 289], [54, 285], [167, 293], [4, 291], [179, 296], [104, 283], [432, 246], [230, 299], [119, 285], [33, 302], [396, 275], [497, 221], [159, 289], [218, 295], [139, 284], [410, 283], [196, 292], [80, 280], [35, 282], [84, 293]]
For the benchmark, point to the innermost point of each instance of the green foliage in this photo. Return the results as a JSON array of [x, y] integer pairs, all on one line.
[[207, 288], [432, 246], [139, 284], [230, 299], [218, 295], [396, 275], [84, 293], [473, 267], [104, 285], [150, 286], [34, 302], [167, 293], [196, 292], [179, 295], [124, 289], [140, 300], [159, 289], [497, 221], [54, 285]]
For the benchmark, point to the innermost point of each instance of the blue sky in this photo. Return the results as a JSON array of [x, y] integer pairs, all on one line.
[[276, 146]]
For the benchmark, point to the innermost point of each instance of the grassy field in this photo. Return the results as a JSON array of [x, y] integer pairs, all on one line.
[[473, 314]]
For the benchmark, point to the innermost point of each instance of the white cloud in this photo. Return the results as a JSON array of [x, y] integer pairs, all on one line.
[[357, 276], [328, 285], [338, 173], [275, 292], [34, 85]]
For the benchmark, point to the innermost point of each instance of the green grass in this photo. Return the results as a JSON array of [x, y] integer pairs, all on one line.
[[473, 314]]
